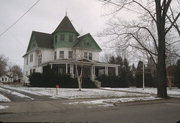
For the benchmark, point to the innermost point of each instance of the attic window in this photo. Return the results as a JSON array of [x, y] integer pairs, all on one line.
[[87, 43], [62, 37]]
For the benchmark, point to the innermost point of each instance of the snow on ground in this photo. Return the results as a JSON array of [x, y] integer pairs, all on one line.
[[15, 93], [75, 94], [171, 92], [3, 107], [4, 99], [111, 102]]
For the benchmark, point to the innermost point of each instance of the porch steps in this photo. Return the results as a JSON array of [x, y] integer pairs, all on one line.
[[97, 83]]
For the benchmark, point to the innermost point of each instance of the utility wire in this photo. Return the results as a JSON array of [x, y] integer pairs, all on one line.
[[19, 19]]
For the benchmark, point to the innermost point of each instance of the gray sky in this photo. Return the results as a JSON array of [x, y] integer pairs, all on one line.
[[86, 16]]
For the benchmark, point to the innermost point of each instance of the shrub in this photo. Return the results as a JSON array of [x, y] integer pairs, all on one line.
[[36, 79], [50, 79], [113, 81]]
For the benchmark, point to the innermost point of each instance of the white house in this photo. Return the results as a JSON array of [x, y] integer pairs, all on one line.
[[62, 50], [6, 78]]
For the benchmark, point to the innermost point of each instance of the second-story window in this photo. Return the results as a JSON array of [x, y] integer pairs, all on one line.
[[61, 54], [90, 56], [70, 38], [70, 54], [39, 59], [62, 37], [31, 58], [55, 55], [85, 55]]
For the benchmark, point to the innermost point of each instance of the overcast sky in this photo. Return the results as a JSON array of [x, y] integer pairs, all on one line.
[[87, 16]]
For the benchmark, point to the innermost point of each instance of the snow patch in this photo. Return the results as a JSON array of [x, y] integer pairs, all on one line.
[[111, 102], [4, 99], [16, 93], [3, 107]]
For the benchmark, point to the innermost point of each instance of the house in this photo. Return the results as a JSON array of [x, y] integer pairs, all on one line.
[[6, 78], [62, 51]]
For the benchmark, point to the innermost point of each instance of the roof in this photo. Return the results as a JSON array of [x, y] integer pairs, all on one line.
[[66, 26], [44, 40], [81, 39]]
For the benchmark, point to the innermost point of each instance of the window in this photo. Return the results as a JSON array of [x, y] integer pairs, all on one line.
[[70, 38], [31, 57], [62, 37], [39, 59], [27, 61], [55, 55], [30, 71], [90, 56], [87, 43], [34, 70], [55, 39], [85, 55], [70, 54], [61, 54]]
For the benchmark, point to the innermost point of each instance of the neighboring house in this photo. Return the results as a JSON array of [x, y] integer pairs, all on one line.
[[62, 50], [6, 78]]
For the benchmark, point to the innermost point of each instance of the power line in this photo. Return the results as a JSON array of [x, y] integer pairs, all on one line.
[[19, 19]]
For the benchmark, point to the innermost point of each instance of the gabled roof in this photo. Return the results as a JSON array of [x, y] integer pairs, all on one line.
[[43, 40], [82, 39], [66, 26]]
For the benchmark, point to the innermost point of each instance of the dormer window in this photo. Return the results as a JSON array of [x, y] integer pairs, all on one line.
[[62, 37]]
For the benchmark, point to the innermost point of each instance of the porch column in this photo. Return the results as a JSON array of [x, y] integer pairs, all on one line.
[[66, 68], [72, 70], [51, 66], [92, 72], [106, 70], [116, 70]]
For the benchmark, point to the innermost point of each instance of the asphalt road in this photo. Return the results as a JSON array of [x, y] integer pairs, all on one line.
[[165, 111]]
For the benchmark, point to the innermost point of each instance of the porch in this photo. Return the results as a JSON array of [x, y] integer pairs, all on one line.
[[90, 69]]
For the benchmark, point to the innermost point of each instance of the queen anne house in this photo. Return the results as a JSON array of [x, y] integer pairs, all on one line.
[[62, 50]]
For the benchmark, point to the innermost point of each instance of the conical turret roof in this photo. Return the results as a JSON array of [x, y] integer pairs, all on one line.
[[66, 26]]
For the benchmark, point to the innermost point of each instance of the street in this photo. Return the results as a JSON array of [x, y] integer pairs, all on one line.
[[58, 110]]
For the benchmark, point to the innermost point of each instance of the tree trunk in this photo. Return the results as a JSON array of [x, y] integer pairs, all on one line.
[[79, 82], [161, 65], [161, 70]]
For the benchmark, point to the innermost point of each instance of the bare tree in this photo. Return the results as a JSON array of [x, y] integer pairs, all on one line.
[[79, 67], [3, 65], [16, 72], [157, 18]]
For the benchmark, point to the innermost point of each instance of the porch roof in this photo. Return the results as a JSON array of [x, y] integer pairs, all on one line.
[[82, 61]]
